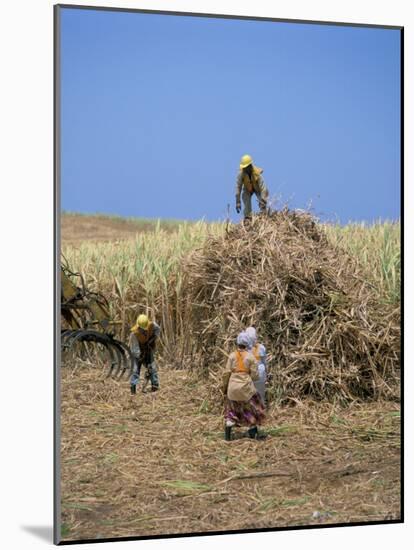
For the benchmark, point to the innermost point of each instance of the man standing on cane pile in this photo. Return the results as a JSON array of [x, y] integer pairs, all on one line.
[[143, 337], [249, 181]]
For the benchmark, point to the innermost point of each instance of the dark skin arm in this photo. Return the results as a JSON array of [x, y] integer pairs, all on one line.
[[226, 378], [248, 170]]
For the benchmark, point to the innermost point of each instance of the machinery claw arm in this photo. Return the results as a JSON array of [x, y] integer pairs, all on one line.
[[81, 310]]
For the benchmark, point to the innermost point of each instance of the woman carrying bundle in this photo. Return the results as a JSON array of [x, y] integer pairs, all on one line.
[[243, 405]]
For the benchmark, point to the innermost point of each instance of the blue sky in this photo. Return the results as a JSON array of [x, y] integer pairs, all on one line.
[[157, 110]]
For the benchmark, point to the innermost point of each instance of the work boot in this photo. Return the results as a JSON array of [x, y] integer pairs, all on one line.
[[227, 433], [133, 389], [253, 432], [154, 388]]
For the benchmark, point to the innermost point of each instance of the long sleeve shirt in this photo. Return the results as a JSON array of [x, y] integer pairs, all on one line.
[[259, 353], [254, 184], [135, 344]]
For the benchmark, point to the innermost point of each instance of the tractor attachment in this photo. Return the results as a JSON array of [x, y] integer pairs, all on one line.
[[86, 320]]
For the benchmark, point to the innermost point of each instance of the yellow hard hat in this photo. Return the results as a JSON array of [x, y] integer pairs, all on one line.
[[246, 160], [143, 321]]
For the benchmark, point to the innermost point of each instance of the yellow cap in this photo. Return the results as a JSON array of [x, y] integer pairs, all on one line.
[[143, 321], [246, 160]]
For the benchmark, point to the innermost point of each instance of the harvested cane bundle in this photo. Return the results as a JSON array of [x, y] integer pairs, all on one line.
[[328, 333]]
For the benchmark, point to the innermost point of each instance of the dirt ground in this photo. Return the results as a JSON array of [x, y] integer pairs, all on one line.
[[76, 228], [157, 463]]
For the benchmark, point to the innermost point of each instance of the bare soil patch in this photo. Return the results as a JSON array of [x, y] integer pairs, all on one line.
[[76, 228]]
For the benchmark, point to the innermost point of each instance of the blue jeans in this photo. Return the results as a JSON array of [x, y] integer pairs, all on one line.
[[151, 373]]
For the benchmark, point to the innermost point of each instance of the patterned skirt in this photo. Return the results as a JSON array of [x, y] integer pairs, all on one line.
[[245, 413]]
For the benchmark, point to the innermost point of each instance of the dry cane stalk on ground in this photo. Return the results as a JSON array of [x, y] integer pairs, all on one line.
[[158, 463]]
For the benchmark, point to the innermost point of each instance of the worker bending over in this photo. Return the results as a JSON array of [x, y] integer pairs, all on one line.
[[143, 337]]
